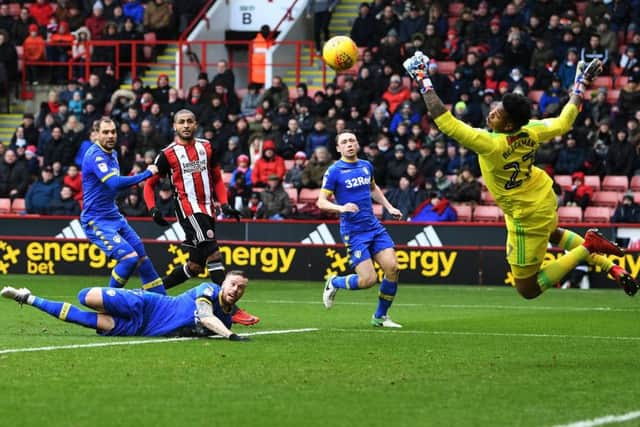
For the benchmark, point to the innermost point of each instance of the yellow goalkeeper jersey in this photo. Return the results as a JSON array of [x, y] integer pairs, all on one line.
[[506, 160]]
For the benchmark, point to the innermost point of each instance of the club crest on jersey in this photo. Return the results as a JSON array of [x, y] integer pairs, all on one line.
[[111, 292], [208, 291], [357, 254], [103, 167], [210, 234], [365, 170]]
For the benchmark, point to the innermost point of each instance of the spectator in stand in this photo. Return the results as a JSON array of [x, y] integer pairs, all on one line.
[[570, 157], [41, 193], [436, 17], [293, 177], [595, 10], [224, 76], [292, 141], [14, 176], [58, 149], [396, 167], [230, 155], [436, 208], [73, 180], [250, 101], [385, 21], [20, 28], [186, 11], [405, 115], [517, 83], [254, 207], [277, 93], [579, 194], [8, 61], [629, 100], [318, 137], [402, 197], [158, 18], [41, 11], [621, 156], [96, 23], [313, 173], [275, 201], [567, 69], [243, 168], [552, 98], [173, 104], [268, 164], [74, 17], [64, 203], [396, 93], [6, 20], [33, 50], [627, 211], [467, 187], [596, 51], [159, 121], [133, 205], [165, 201], [411, 152], [148, 140], [628, 60], [322, 10], [133, 9], [363, 28]]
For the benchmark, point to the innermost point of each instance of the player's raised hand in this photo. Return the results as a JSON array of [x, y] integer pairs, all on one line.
[[395, 213], [153, 169], [157, 217], [417, 67], [586, 73], [239, 338], [350, 207]]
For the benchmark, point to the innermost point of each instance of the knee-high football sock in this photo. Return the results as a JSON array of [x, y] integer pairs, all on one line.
[[216, 271], [556, 270], [65, 311], [151, 281], [570, 240], [387, 292], [349, 282], [122, 271]]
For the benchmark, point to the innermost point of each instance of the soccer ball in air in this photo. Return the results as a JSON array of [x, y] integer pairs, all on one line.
[[340, 53]]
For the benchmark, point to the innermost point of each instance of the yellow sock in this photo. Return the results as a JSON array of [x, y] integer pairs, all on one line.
[[556, 270], [572, 240]]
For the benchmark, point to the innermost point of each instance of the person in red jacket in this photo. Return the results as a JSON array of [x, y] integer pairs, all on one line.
[[41, 11], [396, 93], [579, 194], [269, 164], [34, 49], [73, 180]]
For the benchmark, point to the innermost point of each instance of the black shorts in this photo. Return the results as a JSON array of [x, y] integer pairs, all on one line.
[[200, 237]]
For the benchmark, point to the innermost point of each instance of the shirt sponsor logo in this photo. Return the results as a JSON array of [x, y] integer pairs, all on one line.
[[357, 181], [194, 166]]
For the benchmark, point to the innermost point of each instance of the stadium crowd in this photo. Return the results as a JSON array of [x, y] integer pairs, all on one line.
[[272, 145]]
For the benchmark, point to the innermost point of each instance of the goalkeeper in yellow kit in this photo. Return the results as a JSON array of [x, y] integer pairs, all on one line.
[[523, 191]]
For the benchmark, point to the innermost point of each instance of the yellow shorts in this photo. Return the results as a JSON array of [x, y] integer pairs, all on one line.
[[528, 236]]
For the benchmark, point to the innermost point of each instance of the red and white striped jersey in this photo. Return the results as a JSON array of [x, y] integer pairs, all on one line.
[[194, 171]]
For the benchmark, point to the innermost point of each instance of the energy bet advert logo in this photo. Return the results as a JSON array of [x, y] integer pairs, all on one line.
[[267, 259], [428, 263], [42, 257]]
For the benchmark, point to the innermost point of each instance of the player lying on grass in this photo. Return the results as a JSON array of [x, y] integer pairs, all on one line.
[[523, 191], [351, 181], [200, 311]]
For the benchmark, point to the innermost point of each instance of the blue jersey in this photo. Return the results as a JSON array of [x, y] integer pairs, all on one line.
[[98, 200], [151, 314], [350, 182]]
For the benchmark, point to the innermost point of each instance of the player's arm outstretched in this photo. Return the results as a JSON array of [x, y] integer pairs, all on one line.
[[209, 320], [378, 196], [478, 140]]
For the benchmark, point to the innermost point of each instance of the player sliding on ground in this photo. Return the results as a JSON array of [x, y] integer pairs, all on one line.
[[201, 311], [351, 181], [523, 191]]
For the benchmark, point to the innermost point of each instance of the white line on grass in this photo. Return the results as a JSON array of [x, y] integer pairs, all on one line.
[[145, 341], [489, 334], [466, 306], [608, 419]]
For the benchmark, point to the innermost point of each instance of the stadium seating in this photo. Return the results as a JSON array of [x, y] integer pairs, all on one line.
[[581, 7], [5, 206], [377, 210], [446, 67], [615, 183], [570, 214], [464, 211], [597, 214], [530, 80], [621, 81], [635, 183], [563, 181], [488, 199], [18, 206], [487, 213], [603, 81], [535, 95], [288, 164], [606, 198], [226, 178], [455, 9], [592, 181], [308, 195], [293, 194], [613, 95]]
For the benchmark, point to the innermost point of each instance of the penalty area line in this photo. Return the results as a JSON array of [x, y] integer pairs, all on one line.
[[607, 419], [149, 340]]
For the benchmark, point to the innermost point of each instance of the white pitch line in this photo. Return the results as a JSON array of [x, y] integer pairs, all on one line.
[[488, 334], [608, 419], [149, 340]]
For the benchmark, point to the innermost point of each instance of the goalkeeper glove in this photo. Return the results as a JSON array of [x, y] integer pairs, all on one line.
[[230, 211], [417, 67], [158, 218], [236, 337], [585, 74]]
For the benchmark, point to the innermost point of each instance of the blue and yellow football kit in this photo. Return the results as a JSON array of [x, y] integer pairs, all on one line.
[[362, 233], [523, 191]]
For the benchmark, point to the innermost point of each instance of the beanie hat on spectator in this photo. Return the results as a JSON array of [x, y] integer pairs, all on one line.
[[30, 150], [268, 145], [98, 5], [503, 84], [494, 22], [300, 155], [203, 76], [33, 28], [578, 175]]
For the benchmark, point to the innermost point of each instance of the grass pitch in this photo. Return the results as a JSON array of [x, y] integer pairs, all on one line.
[[467, 356]]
